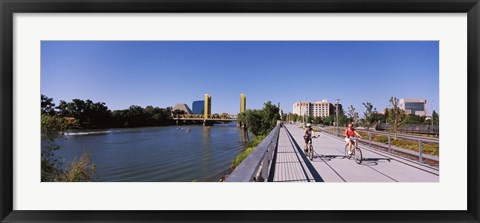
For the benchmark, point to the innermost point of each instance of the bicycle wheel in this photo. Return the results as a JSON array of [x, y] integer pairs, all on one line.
[[358, 155], [346, 152], [310, 152]]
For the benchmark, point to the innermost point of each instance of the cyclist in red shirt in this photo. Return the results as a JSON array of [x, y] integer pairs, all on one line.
[[349, 134]]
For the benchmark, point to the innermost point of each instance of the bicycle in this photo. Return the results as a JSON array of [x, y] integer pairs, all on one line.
[[356, 153], [310, 151]]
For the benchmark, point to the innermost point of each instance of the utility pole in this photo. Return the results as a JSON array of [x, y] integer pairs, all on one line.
[[431, 103], [336, 105], [306, 111], [300, 111], [305, 115]]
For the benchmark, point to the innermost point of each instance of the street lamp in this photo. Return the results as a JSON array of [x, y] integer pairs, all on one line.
[[305, 114], [431, 103], [300, 114], [336, 105]]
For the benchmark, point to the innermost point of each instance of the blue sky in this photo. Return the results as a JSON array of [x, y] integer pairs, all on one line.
[[164, 73]]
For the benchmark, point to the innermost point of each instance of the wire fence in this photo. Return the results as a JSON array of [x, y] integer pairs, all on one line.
[[411, 128]]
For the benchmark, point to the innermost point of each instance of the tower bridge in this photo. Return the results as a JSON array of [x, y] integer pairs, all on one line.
[[208, 118]]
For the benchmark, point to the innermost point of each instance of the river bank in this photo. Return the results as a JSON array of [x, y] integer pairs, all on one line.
[[249, 148]]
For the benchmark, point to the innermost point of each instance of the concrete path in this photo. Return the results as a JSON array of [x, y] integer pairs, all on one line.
[[290, 165], [330, 164]]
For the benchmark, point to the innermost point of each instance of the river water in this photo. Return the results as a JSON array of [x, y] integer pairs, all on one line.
[[156, 154]]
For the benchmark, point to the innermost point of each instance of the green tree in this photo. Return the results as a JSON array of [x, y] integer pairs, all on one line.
[[369, 116], [66, 109], [47, 105], [396, 116], [301, 118], [51, 128], [270, 116], [294, 117], [52, 168], [352, 115], [136, 116], [177, 112], [435, 117], [342, 119], [87, 113], [260, 122], [120, 118], [97, 114], [414, 119], [81, 170], [311, 119], [149, 110], [252, 119], [329, 120]]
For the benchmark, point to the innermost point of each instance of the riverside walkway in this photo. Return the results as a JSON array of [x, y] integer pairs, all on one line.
[[330, 165]]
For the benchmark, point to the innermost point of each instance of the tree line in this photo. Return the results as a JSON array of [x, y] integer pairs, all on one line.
[[393, 115], [89, 114]]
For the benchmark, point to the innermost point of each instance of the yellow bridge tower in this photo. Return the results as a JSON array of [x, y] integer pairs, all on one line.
[[207, 107], [243, 103]]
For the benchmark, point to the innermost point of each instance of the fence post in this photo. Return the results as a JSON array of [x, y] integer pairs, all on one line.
[[389, 143], [369, 139], [420, 158]]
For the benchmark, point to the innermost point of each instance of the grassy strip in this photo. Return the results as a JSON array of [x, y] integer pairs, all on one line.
[[429, 148], [251, 145], [241, 157]]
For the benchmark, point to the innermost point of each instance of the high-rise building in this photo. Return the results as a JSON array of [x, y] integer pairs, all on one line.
[[198, 107], [243, 102], [301, 108], [316, 109], [416, 106], [207, 109]]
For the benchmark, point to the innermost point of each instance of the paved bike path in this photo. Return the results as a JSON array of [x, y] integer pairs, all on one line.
[[289, 165], [332, 166]]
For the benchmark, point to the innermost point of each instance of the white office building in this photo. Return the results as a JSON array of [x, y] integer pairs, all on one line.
[[417, 106], [316, 109]]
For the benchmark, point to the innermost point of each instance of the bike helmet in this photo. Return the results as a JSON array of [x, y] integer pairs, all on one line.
[[308, 124]]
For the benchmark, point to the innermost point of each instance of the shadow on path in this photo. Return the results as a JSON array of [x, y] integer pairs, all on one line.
[[307, 162], [373, 161], [327, 158]]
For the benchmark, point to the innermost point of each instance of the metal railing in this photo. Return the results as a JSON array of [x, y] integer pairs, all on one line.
[[256, 167], [421, 155], [412, 128], [401, 136]]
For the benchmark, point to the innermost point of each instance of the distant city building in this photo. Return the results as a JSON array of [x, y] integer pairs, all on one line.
[[207, 110], [416, 106], [183, 107], [198, 107], [321, 108], [243, 102]]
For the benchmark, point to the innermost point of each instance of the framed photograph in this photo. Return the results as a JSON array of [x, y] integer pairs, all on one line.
[[239, 111]]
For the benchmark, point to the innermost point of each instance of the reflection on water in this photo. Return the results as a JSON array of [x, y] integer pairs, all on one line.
[[157, 154], [244, 135]]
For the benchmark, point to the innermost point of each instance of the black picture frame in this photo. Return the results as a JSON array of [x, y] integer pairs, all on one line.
[[9, 7]]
